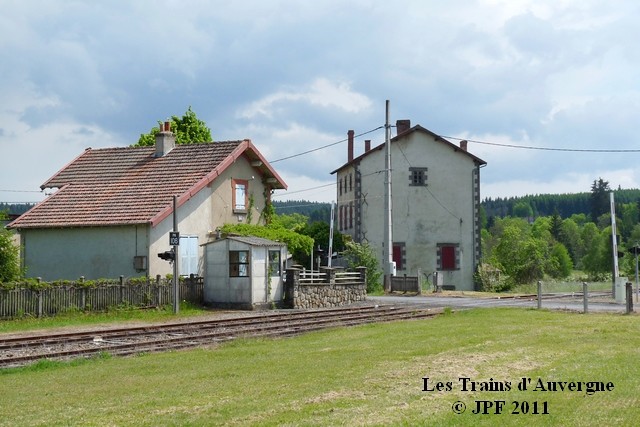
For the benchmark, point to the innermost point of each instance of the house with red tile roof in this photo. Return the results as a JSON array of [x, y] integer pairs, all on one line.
[[113, 209]]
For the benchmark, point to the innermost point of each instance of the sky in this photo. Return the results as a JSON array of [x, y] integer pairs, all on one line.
[[295, 76]]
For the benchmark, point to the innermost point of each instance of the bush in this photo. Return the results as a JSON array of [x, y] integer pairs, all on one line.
[[361, 255], [9, 257], [491, 279]]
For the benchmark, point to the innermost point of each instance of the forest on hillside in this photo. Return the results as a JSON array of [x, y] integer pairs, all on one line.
[[15, 208], [315, 211], [565, 205]]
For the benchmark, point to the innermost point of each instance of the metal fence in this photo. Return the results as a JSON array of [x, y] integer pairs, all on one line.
[[50, 299]]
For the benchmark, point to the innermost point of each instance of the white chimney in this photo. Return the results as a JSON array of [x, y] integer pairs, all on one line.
[[165, 139]]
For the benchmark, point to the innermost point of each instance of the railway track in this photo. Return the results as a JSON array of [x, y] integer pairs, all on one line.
[[23, 350]]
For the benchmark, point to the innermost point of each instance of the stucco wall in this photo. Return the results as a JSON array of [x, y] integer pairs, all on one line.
[[90, 252], [207, 210]]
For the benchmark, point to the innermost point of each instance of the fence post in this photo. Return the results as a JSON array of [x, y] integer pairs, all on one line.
[[539, 294], [81, 281], [419, 281], [121, 290], [158, 296], [291, 287], [39, 279], [329, 275], [629, 290], [585, 297]]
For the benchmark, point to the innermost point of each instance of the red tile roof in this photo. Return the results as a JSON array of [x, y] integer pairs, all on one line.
[[120, 186]]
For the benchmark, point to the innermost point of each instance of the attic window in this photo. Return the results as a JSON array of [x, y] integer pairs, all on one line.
[[240, 195], [418, 177]]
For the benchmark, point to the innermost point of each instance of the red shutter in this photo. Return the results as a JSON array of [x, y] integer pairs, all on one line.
[[397, 256], [448, 257]]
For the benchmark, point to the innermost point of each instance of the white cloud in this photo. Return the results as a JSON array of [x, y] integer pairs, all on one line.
[[293, 76], [321, 92]]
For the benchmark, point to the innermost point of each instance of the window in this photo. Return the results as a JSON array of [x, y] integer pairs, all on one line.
[[240, 195], [418, 177], [340, 186], [448, 256], [238, 263], [188, 250], [351, 215], [350, 182], [274, 263]]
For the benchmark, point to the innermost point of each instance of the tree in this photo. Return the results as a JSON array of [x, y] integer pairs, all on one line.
[[599, 198], [9, 257], [596, 261], [570, 238], [521, 256], [522, 209], [556, 225], [188, 129], [560, 264], [319, 232], [293, 222]]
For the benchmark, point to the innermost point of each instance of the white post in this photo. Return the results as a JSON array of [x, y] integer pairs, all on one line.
[[331, 235], [388, 222], [614, 241]]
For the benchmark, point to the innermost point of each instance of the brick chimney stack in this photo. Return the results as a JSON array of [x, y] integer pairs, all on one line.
[[403, 125], [463, 145], [165, 139], [367, 145], [350, 145]]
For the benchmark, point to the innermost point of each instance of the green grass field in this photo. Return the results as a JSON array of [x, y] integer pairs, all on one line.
[[368, 375]]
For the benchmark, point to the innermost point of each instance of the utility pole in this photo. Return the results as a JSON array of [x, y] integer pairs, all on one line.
[[176, 243], [388, 221], [614, 242]]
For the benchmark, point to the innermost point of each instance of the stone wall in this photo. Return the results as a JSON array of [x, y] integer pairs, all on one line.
[[329, 288]]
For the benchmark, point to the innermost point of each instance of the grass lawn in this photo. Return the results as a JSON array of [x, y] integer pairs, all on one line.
[[367, 375], [109, 317]]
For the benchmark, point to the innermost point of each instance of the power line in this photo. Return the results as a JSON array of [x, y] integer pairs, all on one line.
[[324, 146], [302, 191], [20, 191], [529, 147]]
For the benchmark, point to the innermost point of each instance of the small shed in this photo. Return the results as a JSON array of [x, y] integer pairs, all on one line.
[[244, 272]]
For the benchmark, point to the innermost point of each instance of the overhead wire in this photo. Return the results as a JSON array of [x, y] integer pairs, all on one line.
[[324, 146], [531, 147]]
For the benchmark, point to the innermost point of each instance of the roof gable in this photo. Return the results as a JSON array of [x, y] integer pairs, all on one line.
[[420, 129], [121, 186]]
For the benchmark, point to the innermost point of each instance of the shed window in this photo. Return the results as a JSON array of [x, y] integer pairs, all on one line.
[[238, 263], [240, 195], [274, 263]]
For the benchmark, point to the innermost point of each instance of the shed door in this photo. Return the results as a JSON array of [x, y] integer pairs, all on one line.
[[188, 255]]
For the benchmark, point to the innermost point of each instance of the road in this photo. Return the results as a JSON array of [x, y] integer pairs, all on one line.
[[552, 302]]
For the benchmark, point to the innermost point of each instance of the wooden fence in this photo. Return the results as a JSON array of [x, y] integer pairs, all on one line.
[[405, 284], [49, 300]]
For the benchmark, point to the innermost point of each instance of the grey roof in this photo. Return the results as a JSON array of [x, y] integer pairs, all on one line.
[[255, 241]]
